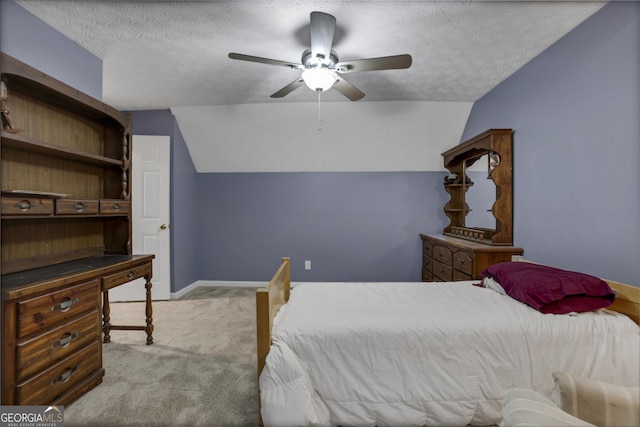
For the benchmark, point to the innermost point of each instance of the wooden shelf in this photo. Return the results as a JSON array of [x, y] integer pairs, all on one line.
[[12, 140], [25, 78]]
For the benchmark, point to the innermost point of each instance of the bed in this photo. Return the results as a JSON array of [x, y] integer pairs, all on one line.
[[424, 354]]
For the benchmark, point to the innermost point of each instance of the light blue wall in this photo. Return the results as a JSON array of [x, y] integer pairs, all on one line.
[[352, 226], [576, 113], [29, 39]]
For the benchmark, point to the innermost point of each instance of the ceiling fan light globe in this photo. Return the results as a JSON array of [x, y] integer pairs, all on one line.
[[319, 79]]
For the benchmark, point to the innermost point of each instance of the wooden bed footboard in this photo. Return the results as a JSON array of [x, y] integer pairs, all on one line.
[[268, 302]]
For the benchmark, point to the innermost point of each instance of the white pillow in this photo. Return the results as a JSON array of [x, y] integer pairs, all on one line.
[[490, 283], [523, 407]]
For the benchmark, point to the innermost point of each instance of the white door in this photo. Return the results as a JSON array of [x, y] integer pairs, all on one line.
[[150, 215]]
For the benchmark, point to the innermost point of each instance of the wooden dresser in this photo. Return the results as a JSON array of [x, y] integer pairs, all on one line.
[[464, 250], [53, 324], [66, 235], [446, 259]]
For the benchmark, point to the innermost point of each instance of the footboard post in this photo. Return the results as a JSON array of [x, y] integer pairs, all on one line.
[[268, 302]]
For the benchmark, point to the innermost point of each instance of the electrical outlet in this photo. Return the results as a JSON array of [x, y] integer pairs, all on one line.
[[307, 265]]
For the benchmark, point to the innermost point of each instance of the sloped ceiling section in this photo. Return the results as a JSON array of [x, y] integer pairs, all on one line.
[[368, 136], [161, 54]]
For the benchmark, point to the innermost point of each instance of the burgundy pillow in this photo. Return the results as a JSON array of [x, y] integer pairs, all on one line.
[[549, 289]]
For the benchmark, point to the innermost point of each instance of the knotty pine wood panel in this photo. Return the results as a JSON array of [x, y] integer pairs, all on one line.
[[27, 238], [56, 126], [39, 172]]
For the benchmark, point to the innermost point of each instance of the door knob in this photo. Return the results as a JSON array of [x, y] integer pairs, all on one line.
[[163, 227]]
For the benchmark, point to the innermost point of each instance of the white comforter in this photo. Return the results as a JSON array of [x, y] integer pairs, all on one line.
[[402, 354]]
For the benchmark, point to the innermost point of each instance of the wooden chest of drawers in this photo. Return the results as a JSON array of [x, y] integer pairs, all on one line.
[[52, 343], [447, 259], [54, 322]]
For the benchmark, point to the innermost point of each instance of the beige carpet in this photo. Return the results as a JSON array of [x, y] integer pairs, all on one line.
[[201, 369]]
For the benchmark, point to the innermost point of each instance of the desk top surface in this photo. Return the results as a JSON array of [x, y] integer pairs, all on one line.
[[14, 284]]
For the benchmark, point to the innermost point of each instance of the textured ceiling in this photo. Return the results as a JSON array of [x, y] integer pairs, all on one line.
[[161, 54]]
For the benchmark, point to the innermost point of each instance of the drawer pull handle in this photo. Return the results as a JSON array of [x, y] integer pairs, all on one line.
[[24, 205], [65, 376], [116, 207], [65, 305], [79, 206], [461, 261], [131, 274], [440, 253], [66, 340]]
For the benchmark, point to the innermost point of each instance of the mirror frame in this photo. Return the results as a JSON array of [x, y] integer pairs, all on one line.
[[493, 141]]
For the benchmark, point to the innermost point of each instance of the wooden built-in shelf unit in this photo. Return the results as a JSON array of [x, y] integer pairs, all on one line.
[[66, 235], [65, 175]]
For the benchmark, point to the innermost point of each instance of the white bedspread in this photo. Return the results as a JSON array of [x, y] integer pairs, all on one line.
[[402, 354]]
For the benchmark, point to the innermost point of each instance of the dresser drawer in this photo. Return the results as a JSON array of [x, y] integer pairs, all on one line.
[[125, 276], [46, 310], [427, 263], [36, 354], [462, 261], [115, 207], [427, 248], [61, 377], [26, 206], [442, 254], [427, 275], [77, 207], [442, 271], [459, 275]]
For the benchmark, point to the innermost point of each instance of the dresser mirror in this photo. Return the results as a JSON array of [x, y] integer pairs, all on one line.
[[480, 188], [481, 193]]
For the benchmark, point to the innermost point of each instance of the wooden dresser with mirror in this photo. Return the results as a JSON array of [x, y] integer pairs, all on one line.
[[66, 235], [480, 210]]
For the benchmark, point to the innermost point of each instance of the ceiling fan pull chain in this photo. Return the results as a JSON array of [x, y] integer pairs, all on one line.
[[319, 118]]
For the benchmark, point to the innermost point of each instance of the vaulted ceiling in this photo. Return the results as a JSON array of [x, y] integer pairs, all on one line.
[[163, 54]]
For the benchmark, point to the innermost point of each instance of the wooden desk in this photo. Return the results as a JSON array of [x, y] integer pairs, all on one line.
[[53, 320]]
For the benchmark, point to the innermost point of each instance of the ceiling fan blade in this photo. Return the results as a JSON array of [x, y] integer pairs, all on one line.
[[371, 64], [347, 89], [288, 88], [322, 27], [260, 60]]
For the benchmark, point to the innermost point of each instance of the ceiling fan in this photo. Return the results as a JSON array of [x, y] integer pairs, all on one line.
[[320, 66]]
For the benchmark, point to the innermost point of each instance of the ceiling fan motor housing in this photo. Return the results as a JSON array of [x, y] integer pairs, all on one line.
[[309, 61]]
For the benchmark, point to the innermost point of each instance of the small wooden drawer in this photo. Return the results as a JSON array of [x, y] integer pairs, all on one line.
[[115, 207], [77, 207], [442, 254], [463, 262], [427, 248], [26, 206], [427, 263], [125, 276], [459, 275], [442, 271], [38, 353], [44, 311], [61, 377], [427, 275]]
